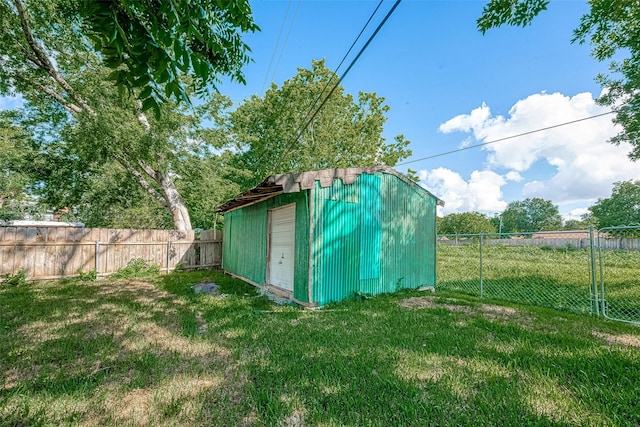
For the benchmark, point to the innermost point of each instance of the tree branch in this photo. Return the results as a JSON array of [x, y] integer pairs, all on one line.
[[141, 180], [28, 54], [45, 63], [149, 170], [70, 107], [142, 118]]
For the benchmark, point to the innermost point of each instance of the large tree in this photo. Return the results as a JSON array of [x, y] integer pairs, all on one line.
[[11, 181], [54, 54], [279, 133], [621, 208], [13, 155], [613, 29], [529, 215], [466, 223], [150, 45]]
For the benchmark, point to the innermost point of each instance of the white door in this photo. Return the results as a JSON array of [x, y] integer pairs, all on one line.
[[282, 233]]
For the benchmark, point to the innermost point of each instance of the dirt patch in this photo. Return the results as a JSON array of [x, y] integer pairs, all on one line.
[[135, 405], [11, 378], [624, 339], [498, 309], [488, 311], [432, 302]]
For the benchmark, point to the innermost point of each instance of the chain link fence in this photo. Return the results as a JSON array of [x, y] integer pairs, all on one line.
[[565, 270], [619, 273]]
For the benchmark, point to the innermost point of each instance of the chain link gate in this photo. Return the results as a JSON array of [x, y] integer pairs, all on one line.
[[619, 273], [567, 270], [547, 269]]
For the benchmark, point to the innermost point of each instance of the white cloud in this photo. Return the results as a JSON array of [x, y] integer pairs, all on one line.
[[513, 176], [475, 121], [482, 192], [576, 214], [585, 164]]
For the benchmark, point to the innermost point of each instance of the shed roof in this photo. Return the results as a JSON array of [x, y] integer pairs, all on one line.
[[295, 182]]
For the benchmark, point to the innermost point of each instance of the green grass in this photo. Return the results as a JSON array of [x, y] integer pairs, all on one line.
[[152, 352], [547, 277]]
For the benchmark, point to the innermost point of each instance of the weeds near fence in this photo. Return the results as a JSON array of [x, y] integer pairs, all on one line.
[[87, 276], [136, 268], [18, 279]]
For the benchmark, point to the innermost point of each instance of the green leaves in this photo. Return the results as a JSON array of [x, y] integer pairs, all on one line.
[[168, 40], [94, 151], [14, 156], [512, 12], [622, 208], [466, 223], [532, 214], [273, 135]]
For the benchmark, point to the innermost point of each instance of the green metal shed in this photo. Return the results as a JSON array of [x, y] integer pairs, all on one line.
[[321, 236]]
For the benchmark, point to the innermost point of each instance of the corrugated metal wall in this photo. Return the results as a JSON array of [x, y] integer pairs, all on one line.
[[375, 236], [408, 235], [244, 249], [245, 245]]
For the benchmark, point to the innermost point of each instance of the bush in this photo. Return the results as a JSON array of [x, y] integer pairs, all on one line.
[[87, 276], [18, 279], [137, 267]]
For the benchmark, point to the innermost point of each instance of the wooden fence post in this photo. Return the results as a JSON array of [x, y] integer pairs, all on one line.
[[96, 257], [168, 255]]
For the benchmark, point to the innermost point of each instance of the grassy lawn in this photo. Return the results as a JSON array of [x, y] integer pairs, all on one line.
[[152, 352], [543, 276]]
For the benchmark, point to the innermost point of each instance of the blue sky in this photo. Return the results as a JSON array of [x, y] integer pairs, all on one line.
[[449, 86]]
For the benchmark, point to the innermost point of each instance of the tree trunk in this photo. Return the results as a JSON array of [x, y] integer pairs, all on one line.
[[73, 102], [175, 204]]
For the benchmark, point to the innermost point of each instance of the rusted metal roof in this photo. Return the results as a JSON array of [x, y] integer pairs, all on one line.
[[295, 182]]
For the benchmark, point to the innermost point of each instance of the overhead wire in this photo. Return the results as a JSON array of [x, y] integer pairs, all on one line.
[[344, 58], [353, 62], [312, 105], [469, 147], [286, 40], [275, 48]]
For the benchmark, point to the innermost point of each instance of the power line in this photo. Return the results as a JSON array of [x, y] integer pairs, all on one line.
[[312, 105], [275, 48], [315, 102], [286, 40], [353, 62], [504, 139]]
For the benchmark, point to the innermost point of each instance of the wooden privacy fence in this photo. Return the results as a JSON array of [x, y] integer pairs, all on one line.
[[577, 243], [56, 252]]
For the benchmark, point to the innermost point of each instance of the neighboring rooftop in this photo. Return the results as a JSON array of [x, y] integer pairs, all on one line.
[[30, 223], [571, 234], [295, 182]]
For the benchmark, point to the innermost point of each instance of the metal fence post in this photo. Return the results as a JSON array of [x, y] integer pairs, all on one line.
[[481, 266], [594, 282], [97, 256]]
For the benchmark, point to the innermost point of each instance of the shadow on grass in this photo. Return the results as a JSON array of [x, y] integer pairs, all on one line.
[[107, 352], [534, 290], [136, 353], [430, 367]]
